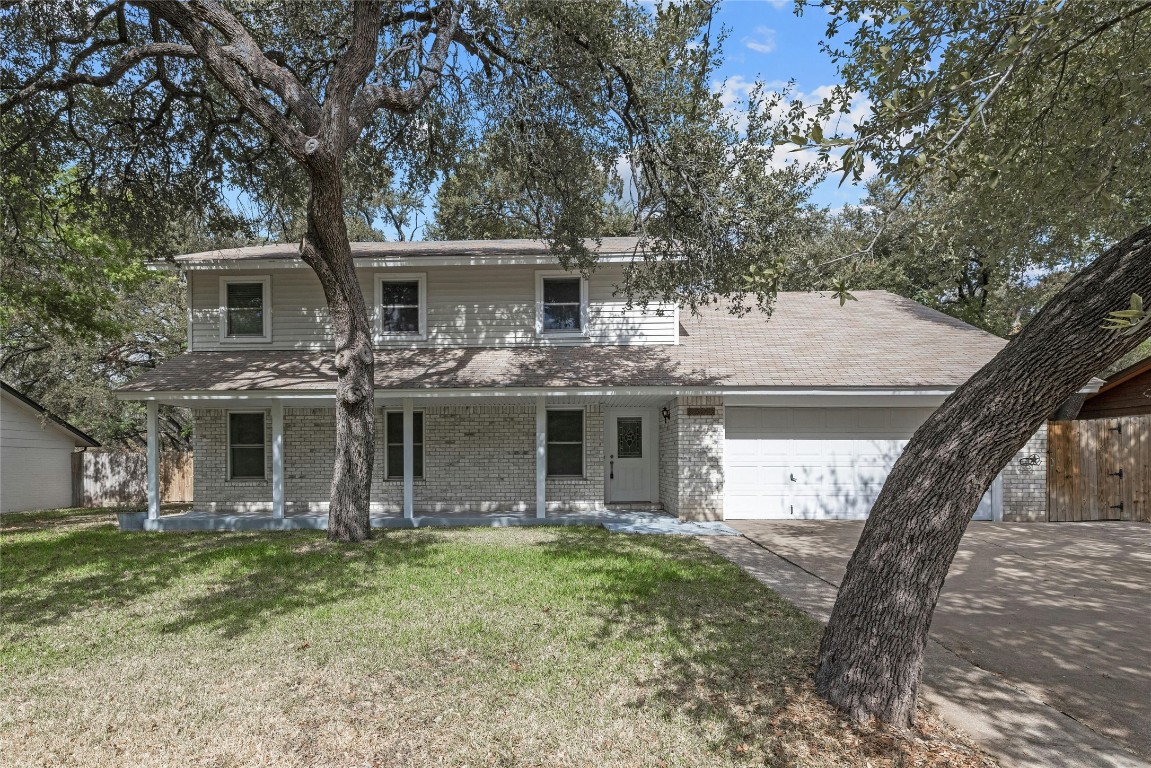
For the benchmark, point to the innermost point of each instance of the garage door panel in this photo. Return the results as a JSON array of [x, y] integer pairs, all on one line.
[[839, 459], [811, 463]]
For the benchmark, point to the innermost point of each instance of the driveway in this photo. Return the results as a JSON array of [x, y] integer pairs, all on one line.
[[1059, 610]]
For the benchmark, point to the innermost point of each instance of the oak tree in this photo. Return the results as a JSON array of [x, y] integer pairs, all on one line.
[[1035, 116]]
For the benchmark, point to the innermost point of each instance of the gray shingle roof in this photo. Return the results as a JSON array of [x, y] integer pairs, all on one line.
[[882, 340], [462, 248]]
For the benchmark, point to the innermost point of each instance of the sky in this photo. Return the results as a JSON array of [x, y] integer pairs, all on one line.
[[768, 42]]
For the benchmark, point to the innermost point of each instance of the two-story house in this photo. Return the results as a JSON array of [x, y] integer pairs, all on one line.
[[505, 384]]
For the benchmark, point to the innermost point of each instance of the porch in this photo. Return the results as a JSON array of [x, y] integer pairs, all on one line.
[[500, 458], [646, 516]]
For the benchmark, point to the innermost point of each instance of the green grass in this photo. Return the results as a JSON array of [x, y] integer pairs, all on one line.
[[564, 646]]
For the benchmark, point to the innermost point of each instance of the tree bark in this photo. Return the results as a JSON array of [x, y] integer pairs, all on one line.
[[326, 249], [871, 656]]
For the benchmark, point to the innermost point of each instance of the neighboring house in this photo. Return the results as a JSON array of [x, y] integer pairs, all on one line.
[[35, 454], [504, 383], [1126, 393]]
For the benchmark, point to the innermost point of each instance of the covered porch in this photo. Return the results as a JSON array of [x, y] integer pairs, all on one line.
[[442, 459]]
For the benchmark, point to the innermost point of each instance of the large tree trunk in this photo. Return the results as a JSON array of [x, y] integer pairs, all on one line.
[[871, 657], [326, 249]]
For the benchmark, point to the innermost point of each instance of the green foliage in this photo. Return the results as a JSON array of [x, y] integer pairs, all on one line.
[[924, 247], [1016, 131], [1131, 320]]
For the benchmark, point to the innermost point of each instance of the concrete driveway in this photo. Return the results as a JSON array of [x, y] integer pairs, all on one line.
[[1059, 610]]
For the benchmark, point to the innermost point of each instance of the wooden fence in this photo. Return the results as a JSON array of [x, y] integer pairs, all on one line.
[[114, 478], [1099, 469]]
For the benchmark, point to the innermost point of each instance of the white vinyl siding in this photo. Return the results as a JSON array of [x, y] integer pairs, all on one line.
[[35, 460], [483, 306]]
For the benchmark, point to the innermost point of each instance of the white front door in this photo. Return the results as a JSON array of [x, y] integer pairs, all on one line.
[[631, 451]]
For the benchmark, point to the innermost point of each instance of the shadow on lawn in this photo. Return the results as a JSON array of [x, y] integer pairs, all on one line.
[[734, 653], [249, 578]]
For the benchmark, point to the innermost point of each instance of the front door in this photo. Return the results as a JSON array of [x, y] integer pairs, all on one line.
[[631, 453]]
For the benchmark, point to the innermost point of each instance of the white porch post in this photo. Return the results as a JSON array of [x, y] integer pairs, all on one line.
[[409, 456], [153, 462], [278, 459], [541, 457]]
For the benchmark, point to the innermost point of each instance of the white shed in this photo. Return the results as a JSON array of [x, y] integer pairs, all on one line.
[[35, 454]]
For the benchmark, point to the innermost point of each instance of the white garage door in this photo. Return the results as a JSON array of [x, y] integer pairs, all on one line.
[[814, 463]]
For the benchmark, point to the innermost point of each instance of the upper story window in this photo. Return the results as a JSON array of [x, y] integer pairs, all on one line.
[[246, 445], [245, 311], [401, 307], [561, 304]]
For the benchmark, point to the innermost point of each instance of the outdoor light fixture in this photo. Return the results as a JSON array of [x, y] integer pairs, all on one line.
[[666, 413]]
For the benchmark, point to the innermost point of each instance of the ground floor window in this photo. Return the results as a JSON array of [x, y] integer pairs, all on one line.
[[565, 443], [394, 429], [246, 445]]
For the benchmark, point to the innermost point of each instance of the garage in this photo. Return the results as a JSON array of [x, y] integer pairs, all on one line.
[[789, 463]]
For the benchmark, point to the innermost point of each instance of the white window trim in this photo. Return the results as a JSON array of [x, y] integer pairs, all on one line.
[[387, 277], [583, 300], [228, 442], [388, 478], [583, 442], [266, 281]]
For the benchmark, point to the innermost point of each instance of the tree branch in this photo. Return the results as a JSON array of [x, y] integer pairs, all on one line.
[[405, 101], [240, 79]]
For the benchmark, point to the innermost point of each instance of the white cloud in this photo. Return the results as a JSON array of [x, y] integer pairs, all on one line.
[[779, 5], [763, 41]]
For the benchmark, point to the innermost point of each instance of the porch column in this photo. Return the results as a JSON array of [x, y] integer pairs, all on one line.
[[153, 461], [541, 456], [409, 456], [278, 459]]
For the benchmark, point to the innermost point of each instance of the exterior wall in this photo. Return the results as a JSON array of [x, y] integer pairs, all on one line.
[[1025, 484], [669, 460], [35, 460], [1129, 398], [691, 469], [488, 306], [476, 459]]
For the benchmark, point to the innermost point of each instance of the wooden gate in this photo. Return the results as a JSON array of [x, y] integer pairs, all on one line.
[[1099, 469]]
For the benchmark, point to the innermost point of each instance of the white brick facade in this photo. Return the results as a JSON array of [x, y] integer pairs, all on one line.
[[476, 459], [691, 459], [1025, 482]]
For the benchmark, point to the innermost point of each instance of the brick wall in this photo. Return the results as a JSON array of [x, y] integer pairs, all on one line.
[[1025, 485], [691, 460], [476, 458], [669, 460]]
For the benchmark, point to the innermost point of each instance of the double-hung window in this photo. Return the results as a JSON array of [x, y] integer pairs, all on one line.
[[561, 304], [246, 445], [245, 314], [565, 438], [394, 429], [401, 307]]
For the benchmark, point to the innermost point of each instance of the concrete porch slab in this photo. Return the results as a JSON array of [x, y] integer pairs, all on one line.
[[264, 521]]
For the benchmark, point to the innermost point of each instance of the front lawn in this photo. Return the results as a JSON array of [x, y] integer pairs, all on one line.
[[556, 646]]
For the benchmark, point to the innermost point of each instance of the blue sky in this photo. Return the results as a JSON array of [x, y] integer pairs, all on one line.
[[767, 41]]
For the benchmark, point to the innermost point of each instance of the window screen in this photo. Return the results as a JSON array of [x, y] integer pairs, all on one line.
[[245, 309], [565, 443], [395, 440], [246, 445], [400, 306], [561, 304]]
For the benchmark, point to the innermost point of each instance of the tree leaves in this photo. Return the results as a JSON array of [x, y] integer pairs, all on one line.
[[1129, 321]]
